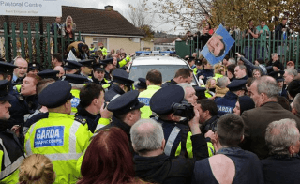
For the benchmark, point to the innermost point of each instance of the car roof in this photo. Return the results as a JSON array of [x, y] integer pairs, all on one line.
[[158, 60]]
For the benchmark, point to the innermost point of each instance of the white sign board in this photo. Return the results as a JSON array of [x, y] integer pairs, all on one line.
[[47, 8]]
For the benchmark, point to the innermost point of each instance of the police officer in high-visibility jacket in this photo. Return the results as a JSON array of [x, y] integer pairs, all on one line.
[[60, 137], [92, 49], [11, 152], [175, 133], [77, 82], [102, 49], [98, 75], [153, 82]]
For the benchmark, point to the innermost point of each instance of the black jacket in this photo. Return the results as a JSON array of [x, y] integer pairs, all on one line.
[[113, 90], [91, 120], [163, 169], [281, 169]]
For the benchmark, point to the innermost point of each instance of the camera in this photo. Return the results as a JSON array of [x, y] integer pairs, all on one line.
[[183, 109]]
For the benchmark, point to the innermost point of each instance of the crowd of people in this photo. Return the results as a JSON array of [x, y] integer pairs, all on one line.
[[86, 122], [253, 42]]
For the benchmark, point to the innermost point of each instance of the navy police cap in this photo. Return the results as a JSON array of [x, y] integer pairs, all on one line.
[[33, 66], [200, 92], [236, 85], [125, 103], [121, 76], [141, 84], [55, 95], [162, 101], [48, 73], [99, 66], [6, 67], [108, 61], [4, 95], [71, 64], [87, 62], [75, 79], [278, 75]]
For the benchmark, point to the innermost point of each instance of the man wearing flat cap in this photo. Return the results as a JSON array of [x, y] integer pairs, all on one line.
[[11, 153], [120, 85], [226, 104], [59, 137], [175, 133]]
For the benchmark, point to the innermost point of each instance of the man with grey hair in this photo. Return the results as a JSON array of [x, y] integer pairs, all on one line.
[[20, 72], [264, 92], [274, 64], [289, 75], [189, 93], [296, 105], [282, 138], [152, 164], [231, 61], [221, 88]]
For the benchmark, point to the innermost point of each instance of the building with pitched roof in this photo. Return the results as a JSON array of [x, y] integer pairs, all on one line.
[[96, 25]]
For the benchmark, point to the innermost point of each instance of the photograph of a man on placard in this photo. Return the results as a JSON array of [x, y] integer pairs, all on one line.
[[217, 46]]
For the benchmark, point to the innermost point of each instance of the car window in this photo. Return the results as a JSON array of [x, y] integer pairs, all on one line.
[[167, 71]]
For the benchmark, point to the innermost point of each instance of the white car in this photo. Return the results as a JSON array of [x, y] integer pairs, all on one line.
[[167, 65]]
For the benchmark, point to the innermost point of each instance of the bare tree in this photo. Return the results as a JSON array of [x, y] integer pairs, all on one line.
[[138, 16]]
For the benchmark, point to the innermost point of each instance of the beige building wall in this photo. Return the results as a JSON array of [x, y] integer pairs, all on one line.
[[88, 40], [147, 44], [127, 44], [130, 45]]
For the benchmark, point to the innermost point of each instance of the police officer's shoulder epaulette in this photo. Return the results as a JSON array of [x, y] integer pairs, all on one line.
[[80, 119]]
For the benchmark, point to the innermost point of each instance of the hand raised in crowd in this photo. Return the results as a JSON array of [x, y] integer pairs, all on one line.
[[213, 137], [16, 130], [238, 55], [275, 68], [194, 123], [104, 112]]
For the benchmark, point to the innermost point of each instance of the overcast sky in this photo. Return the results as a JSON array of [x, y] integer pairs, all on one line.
[[118, 5]]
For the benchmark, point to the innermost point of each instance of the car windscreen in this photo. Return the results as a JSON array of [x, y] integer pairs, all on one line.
[[167, 71]]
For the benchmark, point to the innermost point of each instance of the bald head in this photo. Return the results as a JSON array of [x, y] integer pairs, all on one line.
[[22, 67], [61, 71]]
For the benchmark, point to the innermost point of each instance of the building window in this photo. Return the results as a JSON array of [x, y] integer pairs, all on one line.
[[97, 41], [136, 40]]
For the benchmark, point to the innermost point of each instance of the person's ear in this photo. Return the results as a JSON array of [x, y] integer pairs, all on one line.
[[95, 101], [163, 144], [291, 150], [242, 138], [147, 82], [294, 111], [8, 77]]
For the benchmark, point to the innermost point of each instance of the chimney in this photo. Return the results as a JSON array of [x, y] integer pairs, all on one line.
[[108, 7]]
